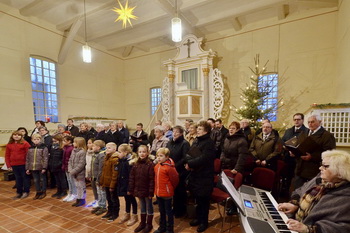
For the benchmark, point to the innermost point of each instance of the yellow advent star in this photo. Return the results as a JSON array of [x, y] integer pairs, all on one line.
[[125, 13]]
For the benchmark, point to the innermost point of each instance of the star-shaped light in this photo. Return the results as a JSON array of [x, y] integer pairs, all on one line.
[[125, 13]]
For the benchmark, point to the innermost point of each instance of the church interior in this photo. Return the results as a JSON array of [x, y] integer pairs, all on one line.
[[304, 42]]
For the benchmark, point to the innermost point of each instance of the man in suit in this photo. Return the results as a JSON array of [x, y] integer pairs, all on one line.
[[124, 132], [72, 128], [139, 137], [266, 147], [248, 132], [307, 166], [221, 127], [295, 131]]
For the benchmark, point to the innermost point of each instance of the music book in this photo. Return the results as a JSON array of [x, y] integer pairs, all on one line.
[[308, 145], [142, 136]]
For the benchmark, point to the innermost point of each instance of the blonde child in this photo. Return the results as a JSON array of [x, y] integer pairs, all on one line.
[[108, 181], [76, 168], [166, 180], [15, 158], [126, 159], [55, 166], [96, 170], [36, 164], [141, 185], [67, 151], [88, 171]]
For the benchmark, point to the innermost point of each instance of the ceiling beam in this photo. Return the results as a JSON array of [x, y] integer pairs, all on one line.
[[318, 3], [69, 40], [187, 25], [142, 47], [236, 24], [127, 51], [39, 6], [67, 24], [113, 31], [239, 11], [282, 11], [166, 40], [136, 40]]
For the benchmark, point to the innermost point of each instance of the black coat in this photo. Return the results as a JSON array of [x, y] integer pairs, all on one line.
[[234, 152], [326, 141], [200, 159], [178, 150], [55, 159], [86, 135], [124, 135], [143, 140], [74, 131], [113, 137], [124, 169]]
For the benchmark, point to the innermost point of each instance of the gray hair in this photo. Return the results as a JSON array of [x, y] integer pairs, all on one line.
[[339, 163], [159, 128], [61, 125], [317, 117]]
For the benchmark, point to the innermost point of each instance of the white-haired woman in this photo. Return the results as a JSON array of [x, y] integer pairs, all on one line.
[[322, 204], [160, 139]]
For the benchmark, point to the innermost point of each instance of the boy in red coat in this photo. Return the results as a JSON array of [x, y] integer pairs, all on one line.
[[166, 180]]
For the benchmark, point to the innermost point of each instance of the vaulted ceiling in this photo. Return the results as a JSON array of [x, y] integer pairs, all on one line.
[[153, 27]]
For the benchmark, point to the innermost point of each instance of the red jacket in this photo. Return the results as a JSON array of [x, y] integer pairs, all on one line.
[[16, 153], [166, 178]]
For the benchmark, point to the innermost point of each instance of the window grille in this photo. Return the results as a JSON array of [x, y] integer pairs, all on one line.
[[156, 98]]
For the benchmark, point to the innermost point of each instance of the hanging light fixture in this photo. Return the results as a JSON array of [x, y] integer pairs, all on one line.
[[176, 28], [86, 47]]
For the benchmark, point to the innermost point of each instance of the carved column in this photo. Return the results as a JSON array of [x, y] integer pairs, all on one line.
[[206, 99]]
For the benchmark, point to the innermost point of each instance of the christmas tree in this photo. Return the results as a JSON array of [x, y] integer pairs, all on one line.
[[257, 104]]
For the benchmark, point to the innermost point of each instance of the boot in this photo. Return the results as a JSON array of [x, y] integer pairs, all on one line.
[[160, 230], [142, 224], [149, 225], [42, 195], [37, 195], [76, 202], [56, 194], [81, 202], [62, 194], [169, 229], [134, 219], [125, 218]]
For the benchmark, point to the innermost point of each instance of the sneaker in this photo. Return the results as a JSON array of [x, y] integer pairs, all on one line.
[[94, 210], [67, 197], [18, 196], [24, 195], [101, 211], [95, 204], [125, 218], [134, 219], [112, 218], [91, 204], [106, 216], [72, 198]]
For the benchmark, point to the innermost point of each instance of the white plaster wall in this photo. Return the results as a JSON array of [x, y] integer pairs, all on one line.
[[95, 89]]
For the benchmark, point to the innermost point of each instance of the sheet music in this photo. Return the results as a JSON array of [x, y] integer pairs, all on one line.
[[233, 192]]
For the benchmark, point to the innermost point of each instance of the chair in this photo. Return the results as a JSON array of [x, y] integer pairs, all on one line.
[[263, 178], [279, 177], [219, 196], [217, 170]]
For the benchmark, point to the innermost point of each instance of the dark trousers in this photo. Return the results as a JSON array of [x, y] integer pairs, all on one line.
[[165, 211], [113, 202], [61, 181], [40, 180], [94, 188], [22, 179], [202, 209], [180, 197], [130, 201]]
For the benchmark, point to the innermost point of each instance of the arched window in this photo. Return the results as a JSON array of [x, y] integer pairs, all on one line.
[[269, 84], [43, 73], [156, 98]]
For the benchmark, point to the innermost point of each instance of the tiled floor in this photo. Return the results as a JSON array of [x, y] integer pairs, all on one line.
[[50, 215]]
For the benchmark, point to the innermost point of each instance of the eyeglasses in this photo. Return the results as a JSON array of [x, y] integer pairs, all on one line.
[[297, 119], [324, 166]]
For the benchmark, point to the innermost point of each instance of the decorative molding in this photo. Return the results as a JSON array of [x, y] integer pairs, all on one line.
[[166, 99], [171, 77], [217, 89], [206, 71]]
